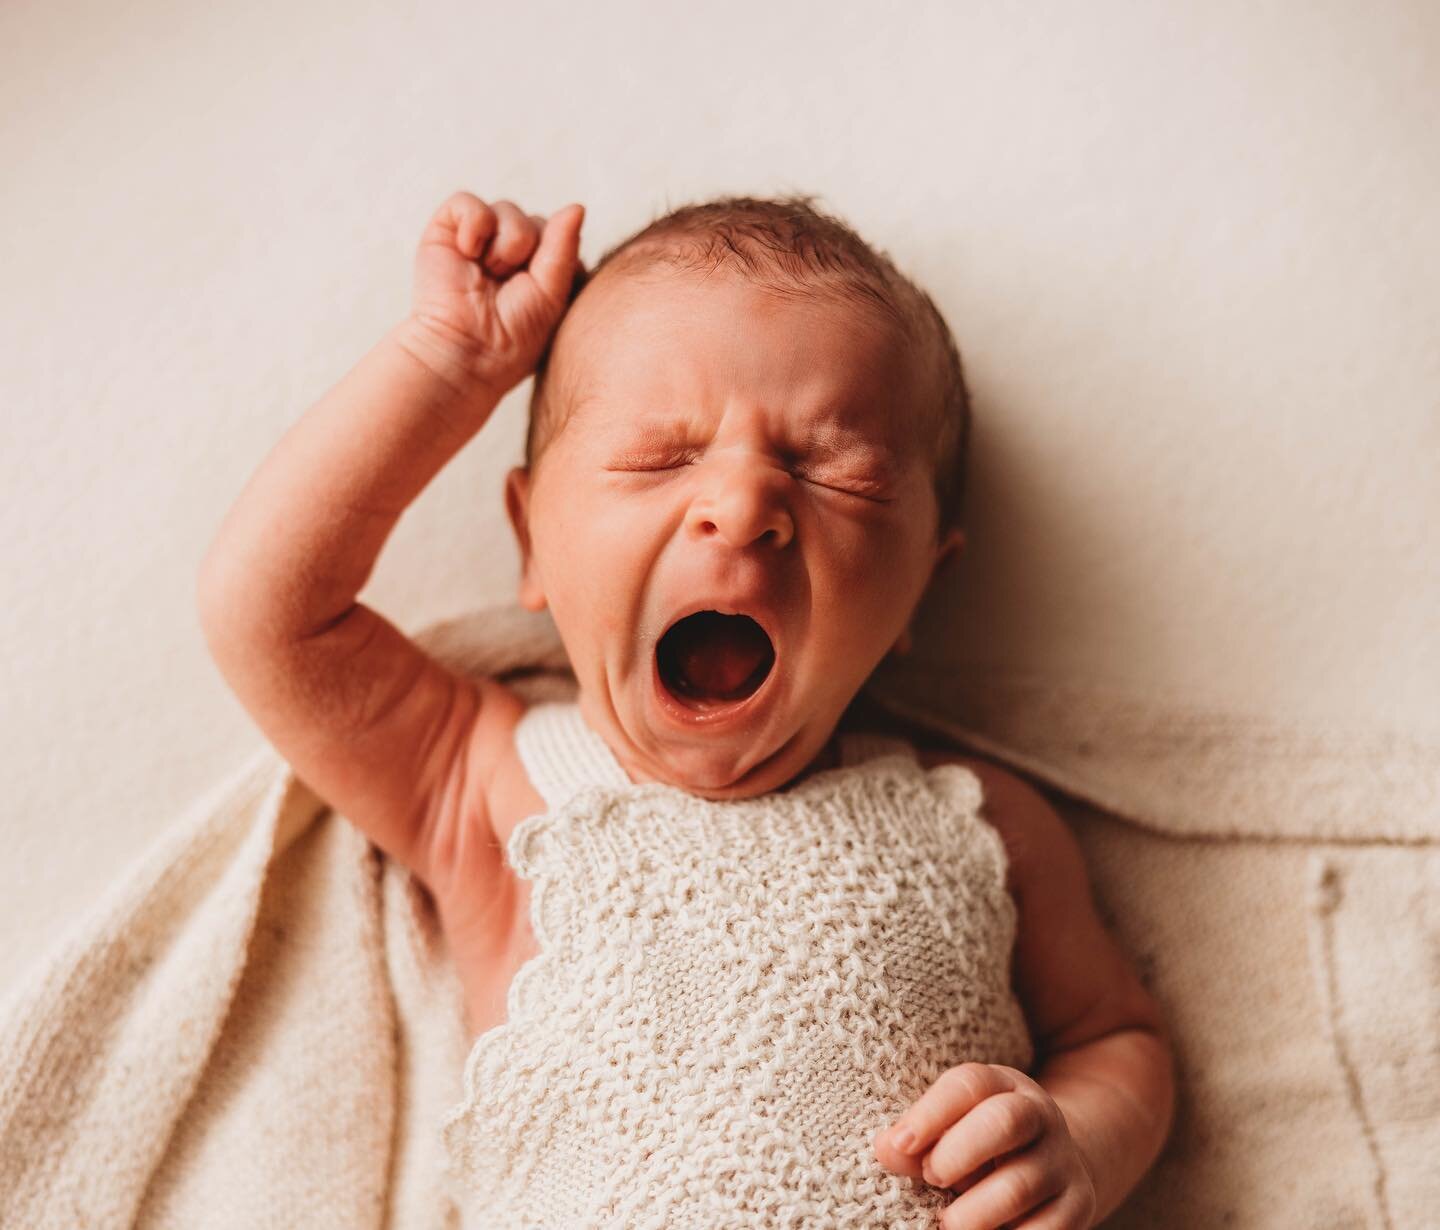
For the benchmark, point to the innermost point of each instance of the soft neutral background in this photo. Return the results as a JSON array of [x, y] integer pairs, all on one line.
[[1189, 251]]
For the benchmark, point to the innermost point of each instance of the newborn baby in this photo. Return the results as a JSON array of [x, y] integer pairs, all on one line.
[[742, 471]]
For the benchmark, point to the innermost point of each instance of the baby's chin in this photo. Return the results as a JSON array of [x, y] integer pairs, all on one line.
[[718, 773], [732, 760]]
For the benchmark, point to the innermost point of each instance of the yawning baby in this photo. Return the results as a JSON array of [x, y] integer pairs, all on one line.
[[736, 953]]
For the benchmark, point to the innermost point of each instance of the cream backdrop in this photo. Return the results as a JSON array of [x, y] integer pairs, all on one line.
[[1189, 251]]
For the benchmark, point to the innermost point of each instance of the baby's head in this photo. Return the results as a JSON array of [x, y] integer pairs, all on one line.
[[743, 466]]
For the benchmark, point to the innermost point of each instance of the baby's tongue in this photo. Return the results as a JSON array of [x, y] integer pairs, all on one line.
[[719, 656]]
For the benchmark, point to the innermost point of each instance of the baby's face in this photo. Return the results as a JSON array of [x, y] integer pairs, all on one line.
[[731, 451]]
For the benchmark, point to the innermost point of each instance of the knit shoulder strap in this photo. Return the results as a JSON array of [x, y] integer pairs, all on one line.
[[562, 755]]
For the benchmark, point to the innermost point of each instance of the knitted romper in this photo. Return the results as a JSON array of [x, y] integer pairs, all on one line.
[[730, 999]]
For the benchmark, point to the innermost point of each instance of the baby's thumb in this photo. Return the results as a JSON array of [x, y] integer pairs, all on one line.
[[553, 264]]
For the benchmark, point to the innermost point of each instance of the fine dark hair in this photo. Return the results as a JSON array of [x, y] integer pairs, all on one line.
[[791, 247]]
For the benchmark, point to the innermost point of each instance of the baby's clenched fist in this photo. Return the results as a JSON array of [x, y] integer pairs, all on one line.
[[491, 284], [994, 1135]]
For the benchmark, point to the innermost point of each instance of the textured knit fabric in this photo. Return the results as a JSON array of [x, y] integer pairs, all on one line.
[[731, 998]]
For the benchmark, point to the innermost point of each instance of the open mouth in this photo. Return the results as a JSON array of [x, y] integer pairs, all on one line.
[[707, 659]]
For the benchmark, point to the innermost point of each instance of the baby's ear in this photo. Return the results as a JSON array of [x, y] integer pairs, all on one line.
[[949, 548], [517, 507]]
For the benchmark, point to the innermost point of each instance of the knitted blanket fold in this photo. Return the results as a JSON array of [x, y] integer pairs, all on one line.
[[258, 1024]]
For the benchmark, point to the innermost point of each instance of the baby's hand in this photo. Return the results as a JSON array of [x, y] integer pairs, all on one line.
[[491, 284], [993, 1134]]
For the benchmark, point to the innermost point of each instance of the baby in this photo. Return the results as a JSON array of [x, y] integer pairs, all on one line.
[[741, 475]]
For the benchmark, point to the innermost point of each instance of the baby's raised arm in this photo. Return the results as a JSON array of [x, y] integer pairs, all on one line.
[[380, 730]]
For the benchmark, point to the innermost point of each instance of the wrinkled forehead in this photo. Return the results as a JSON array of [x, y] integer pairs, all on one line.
[[657, 341]]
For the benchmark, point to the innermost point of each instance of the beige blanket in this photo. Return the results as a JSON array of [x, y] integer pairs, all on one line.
[[258, 1026]]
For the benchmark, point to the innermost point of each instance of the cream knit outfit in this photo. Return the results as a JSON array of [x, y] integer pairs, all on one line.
[[731, 998]]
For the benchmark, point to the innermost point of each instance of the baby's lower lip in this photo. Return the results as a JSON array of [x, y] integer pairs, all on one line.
[[711, 715]]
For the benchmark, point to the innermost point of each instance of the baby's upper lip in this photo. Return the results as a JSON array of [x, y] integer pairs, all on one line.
[[753, 605]]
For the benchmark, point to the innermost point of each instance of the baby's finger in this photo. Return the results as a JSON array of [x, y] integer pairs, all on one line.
[[1004, 1196], [477, 225], [1058, 1213], [1001, 1124], [513, 242], [463, 222], [555, 260], [954, 1094]]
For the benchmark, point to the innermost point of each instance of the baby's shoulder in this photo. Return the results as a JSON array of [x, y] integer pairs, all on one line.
[[1038, 843], [1007, 795]]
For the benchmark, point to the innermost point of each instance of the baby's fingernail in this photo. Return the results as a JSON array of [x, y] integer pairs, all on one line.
[[903, 1139]]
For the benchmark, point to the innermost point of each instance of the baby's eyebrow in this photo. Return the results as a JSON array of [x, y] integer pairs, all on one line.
[[653, 429], [826, 433], [831, 439]]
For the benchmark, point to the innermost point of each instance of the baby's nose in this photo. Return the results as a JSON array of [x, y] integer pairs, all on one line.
[[744, 505]]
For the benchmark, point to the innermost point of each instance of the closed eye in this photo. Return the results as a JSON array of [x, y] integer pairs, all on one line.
[[648, 462], [857, 488], [655, 462]]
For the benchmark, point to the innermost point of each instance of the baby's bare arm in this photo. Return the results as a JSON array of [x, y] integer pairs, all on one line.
[[379, 729], [1102, 1050], [1103, 1046]]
